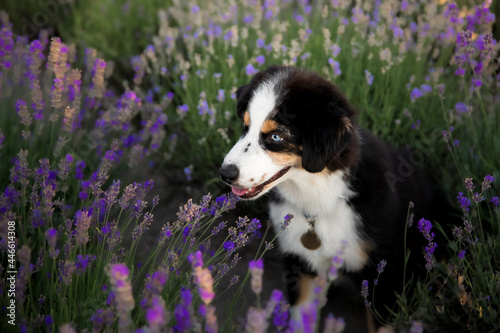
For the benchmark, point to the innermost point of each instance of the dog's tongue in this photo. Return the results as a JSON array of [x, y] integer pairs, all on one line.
[[238, 191]]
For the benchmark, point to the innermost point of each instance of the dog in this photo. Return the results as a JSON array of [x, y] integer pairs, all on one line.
[[348, 191]]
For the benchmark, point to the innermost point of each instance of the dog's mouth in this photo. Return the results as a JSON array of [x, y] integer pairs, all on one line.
[[247, 193]]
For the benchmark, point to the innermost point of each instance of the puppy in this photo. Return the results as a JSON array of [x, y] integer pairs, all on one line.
[[348, 192]]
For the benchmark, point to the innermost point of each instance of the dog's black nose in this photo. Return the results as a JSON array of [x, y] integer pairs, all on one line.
[[229, 173]]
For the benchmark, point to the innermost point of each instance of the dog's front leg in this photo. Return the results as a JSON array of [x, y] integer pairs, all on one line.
[[301, 283]]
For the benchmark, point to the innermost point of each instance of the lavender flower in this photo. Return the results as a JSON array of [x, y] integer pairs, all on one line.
[[286, 221], [336, 67], [183, 311], [83, 262], [51, 237], [211, 320], [280, 315], [156, 314], [309, 317], [364, 292], [335, 50], [380, 266], [488, 179], [250, 70], [204, 278], [464, 202], [119, 277], [425, 227], [256, 270], [260, 59], [337, 262], [415, 94], [368, 77], [461, 254], [256, 320], [416, 327], [334, 325], [82, 223]]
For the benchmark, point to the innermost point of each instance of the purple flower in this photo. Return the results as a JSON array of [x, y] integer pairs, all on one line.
[[183, 108], [425, 88], [51, 237], [256, 268], [80, 165], [256, 264], [81, 263], [364, 292], [261, 43], [182, 311], [309, 316], [195, 9], [196, 259], [415, 94], [203, 108], [381, 266], [229, 246], [260, 59], [461, 254], [250, 70], [425, 227], [119, 271], [461, 108], [156, 314], [336, 67], [286, 221], [416, 327], [369, 77], [464, 202], [221, 95], [396, 31], [48, 320], [280, 313], [460, 71], [469, 184], [477, 197], [248, 19], [156, 282], [488, 179], [495, 201], [335, 50]]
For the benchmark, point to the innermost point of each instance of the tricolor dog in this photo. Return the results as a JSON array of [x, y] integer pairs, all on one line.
[[301, 144]]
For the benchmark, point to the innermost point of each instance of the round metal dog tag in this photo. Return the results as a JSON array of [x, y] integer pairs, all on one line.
[[310, 240]]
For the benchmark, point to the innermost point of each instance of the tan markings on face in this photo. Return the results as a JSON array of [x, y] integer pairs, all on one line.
[[246, 119], [304, 289], [268, 126], [285, 159]]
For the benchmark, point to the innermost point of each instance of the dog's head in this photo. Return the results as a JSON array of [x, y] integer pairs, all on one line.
[[293, 119]]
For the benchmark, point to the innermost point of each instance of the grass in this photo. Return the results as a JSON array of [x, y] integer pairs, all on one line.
[[78, 228]]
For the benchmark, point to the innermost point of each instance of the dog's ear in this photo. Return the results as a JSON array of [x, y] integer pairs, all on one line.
[[326, 135]]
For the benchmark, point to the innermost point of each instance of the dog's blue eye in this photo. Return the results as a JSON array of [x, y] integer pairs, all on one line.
[[276, 137]]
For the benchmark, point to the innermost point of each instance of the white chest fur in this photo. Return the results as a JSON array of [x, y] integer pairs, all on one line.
[[323, 196]]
